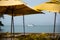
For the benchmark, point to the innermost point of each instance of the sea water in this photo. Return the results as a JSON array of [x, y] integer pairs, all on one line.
[[32, 29]]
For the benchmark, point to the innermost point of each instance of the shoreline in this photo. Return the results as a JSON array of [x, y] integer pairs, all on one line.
[[8, 36]]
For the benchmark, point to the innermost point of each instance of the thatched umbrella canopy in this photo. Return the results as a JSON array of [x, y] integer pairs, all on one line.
[[18, 8], [52, 6]]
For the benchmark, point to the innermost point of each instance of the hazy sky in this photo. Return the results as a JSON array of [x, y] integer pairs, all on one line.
[[42, 19]]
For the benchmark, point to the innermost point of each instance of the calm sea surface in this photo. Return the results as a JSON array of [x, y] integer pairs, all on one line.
[[33, 29]]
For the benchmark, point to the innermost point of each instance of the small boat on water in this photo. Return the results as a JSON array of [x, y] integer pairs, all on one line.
[[30, 25]]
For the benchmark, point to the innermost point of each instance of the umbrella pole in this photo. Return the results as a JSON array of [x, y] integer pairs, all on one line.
[[0, 29], [23, 25], [12, 26], [0, 25], [54, 24]]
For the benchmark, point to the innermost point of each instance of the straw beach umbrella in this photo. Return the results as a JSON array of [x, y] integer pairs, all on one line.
[[16, 8], [52, 6]]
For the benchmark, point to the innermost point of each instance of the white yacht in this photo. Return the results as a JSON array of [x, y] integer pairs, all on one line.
[[30, 25]]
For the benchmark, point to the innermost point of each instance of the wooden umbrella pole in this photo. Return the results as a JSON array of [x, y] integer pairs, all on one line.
[[0, 29], [0, 26], [23, 25], [12, 26], [54, 24]]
